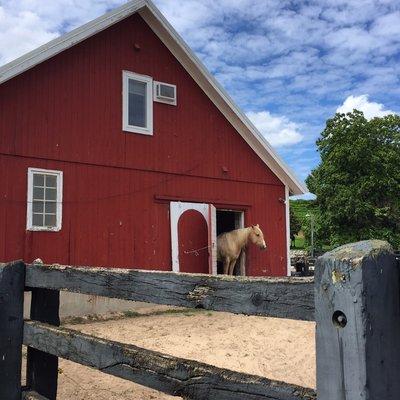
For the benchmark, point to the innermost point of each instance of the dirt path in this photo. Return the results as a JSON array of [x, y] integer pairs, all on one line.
[[275, 348]]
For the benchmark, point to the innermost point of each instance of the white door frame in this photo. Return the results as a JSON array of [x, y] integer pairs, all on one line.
[[212, 238], [242, 260], [288, 241], [177, 208]]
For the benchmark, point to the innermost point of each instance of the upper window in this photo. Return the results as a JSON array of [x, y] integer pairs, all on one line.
[[44, 210], [137, 98]]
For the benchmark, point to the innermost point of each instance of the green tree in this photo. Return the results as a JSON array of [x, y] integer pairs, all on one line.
[[295, 222], [357, 182]]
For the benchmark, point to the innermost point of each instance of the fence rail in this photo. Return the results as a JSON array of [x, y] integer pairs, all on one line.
[[162, 372], [31, 395], [291, 298], [357, 312]]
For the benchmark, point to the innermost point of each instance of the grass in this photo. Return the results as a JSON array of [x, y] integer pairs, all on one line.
[[186, 312], [134, 314], [131, 314], [299, 243], [183, 311], [301, 208], [76, 320]]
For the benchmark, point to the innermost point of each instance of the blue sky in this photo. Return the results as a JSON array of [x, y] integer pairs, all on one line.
[[289, 65]]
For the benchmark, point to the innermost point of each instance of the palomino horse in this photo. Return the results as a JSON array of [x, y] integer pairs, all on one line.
[[230, 244]]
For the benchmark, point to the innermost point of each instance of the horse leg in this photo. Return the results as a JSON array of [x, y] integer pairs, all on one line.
[[232, 266], [226, 266]]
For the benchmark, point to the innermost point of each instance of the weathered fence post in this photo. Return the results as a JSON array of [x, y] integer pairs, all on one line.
[[42, 368], [12, 282], [357, 312]]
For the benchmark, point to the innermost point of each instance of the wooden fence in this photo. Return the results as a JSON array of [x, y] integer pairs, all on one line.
[[356, 295]]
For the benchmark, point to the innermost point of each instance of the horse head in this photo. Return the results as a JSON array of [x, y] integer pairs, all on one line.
[[257, 237]]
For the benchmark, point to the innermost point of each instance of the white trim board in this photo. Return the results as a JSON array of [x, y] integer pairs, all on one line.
[[287, 218], [189, 61], [212, 239]]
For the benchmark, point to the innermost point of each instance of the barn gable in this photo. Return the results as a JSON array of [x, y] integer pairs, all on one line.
[[149, 13]]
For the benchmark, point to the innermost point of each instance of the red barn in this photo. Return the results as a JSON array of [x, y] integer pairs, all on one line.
[[118, 148]]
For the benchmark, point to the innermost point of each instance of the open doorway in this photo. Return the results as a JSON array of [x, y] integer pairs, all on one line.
[[228, 220]]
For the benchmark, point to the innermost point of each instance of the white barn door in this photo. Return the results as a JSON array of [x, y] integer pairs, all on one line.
[[182, 250]]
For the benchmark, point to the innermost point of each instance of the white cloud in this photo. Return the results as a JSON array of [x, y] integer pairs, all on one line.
[[27, 24], [16, 34], [388, 26], [279, 131], [369, 108]]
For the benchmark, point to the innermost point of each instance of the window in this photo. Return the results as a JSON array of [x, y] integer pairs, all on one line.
[[44, 209], [165, 93], [137, 103]]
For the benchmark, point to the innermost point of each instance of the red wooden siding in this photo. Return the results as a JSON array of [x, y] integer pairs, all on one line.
[[193, 235], [66, 114]]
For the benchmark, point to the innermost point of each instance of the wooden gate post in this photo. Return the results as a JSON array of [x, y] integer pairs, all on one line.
[[357, 312], [42, 368], [12, 282]]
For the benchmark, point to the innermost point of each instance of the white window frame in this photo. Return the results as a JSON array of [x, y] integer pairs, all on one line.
[[126, 75], [29, 219], [161, 99]]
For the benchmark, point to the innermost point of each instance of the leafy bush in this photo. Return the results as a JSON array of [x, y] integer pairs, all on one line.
[[357, 182]]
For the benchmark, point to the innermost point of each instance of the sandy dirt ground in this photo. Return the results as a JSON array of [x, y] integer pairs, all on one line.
[[275, 348]]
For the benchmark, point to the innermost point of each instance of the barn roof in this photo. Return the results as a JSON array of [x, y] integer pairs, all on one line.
[[157, 22]]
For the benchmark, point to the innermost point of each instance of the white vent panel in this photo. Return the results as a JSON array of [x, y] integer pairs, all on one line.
[[165, 93]]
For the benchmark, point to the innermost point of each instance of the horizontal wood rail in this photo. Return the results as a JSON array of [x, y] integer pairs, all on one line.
[[291, 298], [172, 375]]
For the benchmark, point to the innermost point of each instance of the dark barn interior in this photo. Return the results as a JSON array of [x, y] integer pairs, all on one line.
[[228, 220]]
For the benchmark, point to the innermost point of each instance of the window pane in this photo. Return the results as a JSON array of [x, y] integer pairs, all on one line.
[[50, 208], [167, 91], [37, 220], [38, 180], [51, 194], [38, 193], [50, 220], [37, 206], [137, 103], [51, 181]]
